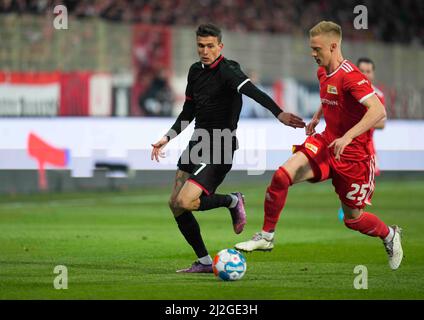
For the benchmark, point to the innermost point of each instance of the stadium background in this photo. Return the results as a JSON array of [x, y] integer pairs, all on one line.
[[97, 94]]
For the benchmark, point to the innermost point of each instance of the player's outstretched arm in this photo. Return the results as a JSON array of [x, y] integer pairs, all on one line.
[[182, 122], [310, 127], [289, 119], [375, 113]]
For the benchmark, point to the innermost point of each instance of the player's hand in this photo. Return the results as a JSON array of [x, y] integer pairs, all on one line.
[[157, 149], [310, 127], [291, 120], [339, 145]]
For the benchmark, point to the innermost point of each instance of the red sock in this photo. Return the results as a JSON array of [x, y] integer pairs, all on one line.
[[368, 224], [275, 198]]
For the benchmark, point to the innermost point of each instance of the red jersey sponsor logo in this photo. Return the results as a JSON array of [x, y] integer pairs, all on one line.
[[311, 147], [329, 102]]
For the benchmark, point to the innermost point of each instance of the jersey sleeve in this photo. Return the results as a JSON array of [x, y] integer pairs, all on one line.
[[250, 90], [234, 76], [358, 86], [382, 100], [380, 96]]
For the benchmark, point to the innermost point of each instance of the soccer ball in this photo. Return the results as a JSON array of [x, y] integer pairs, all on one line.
[[229, 265]]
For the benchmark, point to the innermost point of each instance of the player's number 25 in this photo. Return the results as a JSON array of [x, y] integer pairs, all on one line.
[[358, 193]]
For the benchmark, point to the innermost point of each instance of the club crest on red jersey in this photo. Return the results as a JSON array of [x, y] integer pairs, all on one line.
[[331, 89]]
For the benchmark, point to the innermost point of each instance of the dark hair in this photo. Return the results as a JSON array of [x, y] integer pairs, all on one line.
[[209, 29], [365, 60]]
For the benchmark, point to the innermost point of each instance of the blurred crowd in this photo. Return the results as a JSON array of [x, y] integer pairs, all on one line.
[[388, 21]]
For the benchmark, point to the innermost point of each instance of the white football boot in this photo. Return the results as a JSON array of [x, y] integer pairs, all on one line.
[[258, 243], [394, 248]]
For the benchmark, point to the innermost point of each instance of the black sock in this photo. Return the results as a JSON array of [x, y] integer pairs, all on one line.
[[190, 229], [214, 201]]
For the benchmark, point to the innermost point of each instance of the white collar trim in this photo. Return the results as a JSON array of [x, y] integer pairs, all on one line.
[[338, 68]]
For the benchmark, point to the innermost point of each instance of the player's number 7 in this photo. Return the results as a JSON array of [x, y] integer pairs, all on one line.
[[203, 165]]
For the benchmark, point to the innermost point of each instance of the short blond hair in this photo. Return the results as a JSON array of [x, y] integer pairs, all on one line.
[[326, 27]]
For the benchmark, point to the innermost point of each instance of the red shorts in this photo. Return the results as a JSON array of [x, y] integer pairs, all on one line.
[[352, 180]]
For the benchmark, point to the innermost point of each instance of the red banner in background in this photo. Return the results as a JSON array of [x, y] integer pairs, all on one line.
[[152, 61], [74, 94], [79, 93], [29, 77], [29, 93]]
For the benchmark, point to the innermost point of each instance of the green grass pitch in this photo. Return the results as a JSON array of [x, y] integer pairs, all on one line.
[[126, 245]]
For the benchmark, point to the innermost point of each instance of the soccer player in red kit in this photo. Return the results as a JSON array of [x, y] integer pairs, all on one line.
[[367, 67], [341, 153]]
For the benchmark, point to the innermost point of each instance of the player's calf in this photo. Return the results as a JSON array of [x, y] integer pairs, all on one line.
[[208, 202], [296, 169], [370, 225], [233, 201], [275, 198]]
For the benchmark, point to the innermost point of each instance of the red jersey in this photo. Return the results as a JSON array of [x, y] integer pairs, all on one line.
[[380, 96], [342, 93]]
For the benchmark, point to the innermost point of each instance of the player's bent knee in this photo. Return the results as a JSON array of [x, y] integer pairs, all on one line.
[[182, 203], [351, 216], [351, 213], [176, 211], [281, 179]]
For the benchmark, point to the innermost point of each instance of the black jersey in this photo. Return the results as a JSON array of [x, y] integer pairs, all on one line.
[[214, 90], [213, 97]]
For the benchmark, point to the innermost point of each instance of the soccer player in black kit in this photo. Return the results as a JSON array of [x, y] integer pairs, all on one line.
[[213, 98]]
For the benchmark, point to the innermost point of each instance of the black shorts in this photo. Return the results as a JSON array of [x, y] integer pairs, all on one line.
[[205, 172]]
